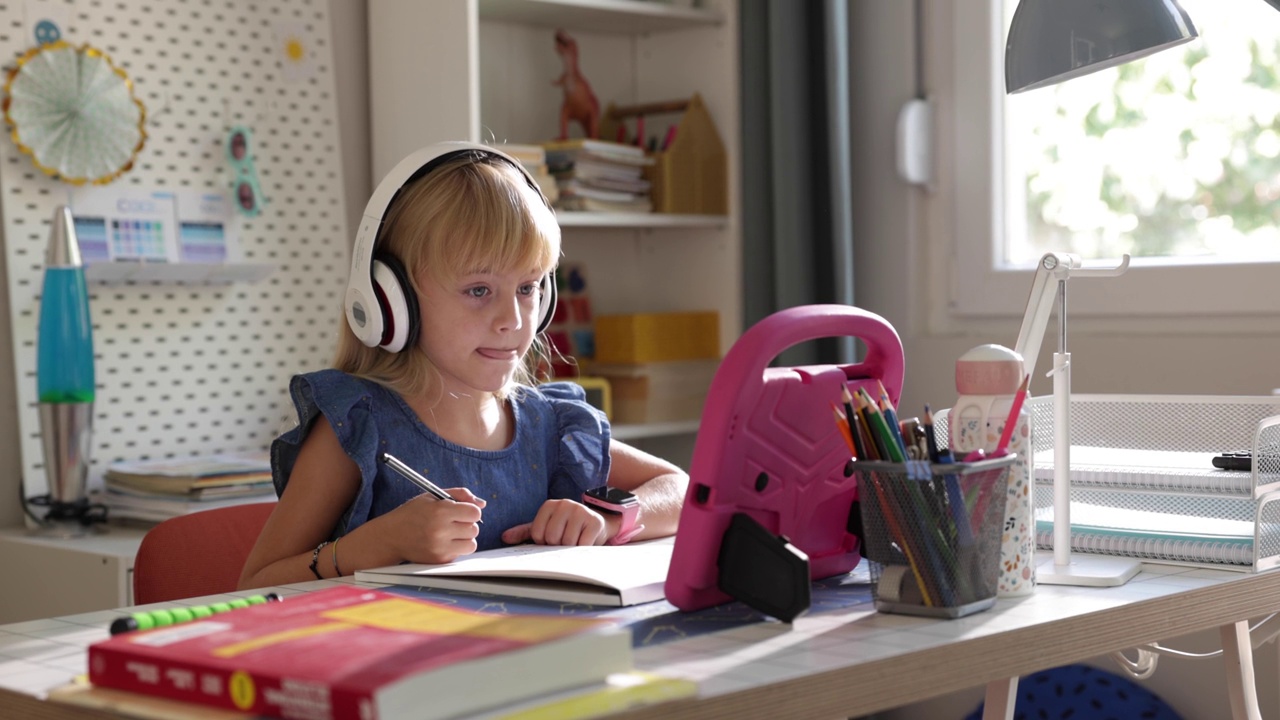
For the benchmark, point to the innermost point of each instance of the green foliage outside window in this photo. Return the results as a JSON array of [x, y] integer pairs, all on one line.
[[1177, 155]]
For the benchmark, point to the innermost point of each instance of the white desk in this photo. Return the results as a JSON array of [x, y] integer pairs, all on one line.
[[840, 663], [60, 576]]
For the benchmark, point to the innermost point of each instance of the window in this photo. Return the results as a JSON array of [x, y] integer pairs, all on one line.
[[1174, 159]]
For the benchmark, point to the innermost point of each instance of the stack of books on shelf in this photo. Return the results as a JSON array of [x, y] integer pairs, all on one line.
[[534, 160], [599, 176], [156, 490]]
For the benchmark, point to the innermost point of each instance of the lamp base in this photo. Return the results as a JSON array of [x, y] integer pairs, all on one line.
[[1088, 571], [69, 519], [66, 529]]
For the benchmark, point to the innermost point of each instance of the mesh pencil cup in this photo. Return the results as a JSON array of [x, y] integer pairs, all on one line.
[[932, 534]]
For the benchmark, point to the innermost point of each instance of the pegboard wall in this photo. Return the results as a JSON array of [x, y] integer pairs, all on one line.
[[188, 369]]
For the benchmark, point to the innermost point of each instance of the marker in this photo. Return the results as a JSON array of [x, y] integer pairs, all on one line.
[[174, 616]]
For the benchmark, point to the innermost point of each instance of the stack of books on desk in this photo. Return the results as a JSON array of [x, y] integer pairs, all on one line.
[[599, 176], [351, 652], [156, 490]]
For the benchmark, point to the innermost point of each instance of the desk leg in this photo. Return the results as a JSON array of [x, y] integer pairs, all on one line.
[[1237, 653], [1002, 695]]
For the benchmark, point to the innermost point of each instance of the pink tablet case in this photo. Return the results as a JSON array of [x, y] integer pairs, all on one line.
[[768, 448]]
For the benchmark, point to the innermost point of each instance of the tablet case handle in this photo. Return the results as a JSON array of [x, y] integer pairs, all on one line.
[[768, 450]]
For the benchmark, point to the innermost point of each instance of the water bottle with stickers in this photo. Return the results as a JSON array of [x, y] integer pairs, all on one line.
[[988, 378]]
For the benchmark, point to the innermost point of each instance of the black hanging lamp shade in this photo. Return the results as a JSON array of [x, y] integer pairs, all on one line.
[[1055, 40]]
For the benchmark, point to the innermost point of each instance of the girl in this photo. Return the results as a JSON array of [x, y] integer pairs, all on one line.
[[478, 243]]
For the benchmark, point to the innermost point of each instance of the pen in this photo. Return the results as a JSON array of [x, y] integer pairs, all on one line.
[[412, 476], [173, 616]]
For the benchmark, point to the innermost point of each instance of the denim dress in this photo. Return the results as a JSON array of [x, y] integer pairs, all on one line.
[[561, 448]]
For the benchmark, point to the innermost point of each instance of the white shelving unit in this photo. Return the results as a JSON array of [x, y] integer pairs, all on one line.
[[482, 70]]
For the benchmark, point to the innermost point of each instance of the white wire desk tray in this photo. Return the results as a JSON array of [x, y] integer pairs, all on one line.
[[1143, 483]]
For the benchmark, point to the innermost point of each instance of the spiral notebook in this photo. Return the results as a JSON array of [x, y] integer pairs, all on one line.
[[1152, 535], [1146, 470]]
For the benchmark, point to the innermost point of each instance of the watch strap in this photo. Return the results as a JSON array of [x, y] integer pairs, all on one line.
[[629, 514]]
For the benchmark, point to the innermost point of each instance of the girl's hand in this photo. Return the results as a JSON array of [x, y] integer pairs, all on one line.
[[430, 531], [561, 522]]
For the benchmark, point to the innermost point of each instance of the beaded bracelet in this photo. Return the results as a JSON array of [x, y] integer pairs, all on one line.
[[315, 560], [336, 569]]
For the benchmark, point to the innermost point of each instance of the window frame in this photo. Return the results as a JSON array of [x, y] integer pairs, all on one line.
[[970, 67]]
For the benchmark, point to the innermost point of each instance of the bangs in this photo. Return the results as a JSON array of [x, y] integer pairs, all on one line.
[[469, 216], [509, 228]]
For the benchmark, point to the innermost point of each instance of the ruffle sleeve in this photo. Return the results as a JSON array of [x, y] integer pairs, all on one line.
[[583, 441], [346, 405]]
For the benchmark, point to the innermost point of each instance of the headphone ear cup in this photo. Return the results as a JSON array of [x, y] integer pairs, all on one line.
[[547, 308], [398, 302]]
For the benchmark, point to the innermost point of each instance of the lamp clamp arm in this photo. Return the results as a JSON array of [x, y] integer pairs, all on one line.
[[1053, 271]]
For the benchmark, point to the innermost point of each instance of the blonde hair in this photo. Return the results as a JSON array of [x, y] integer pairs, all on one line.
[[474, 212]]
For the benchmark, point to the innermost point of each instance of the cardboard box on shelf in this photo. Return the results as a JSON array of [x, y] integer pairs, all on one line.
[[657, 337], [659, 391]]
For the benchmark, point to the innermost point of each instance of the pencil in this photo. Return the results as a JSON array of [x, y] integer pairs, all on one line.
[[891, 417], [889, 512], [844, 430], [930, 439], [876, 446], [862, 433], [412, 476], [955, 499], [880, 429]]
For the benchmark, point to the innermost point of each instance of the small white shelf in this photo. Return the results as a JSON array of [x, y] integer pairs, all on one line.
[[602, 16], [647, 430], [207, 273], [638, 220]]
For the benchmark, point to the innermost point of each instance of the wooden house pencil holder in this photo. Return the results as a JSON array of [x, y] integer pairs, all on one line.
[[690, 170]]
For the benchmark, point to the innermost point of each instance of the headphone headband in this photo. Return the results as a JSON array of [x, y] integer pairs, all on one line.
[[366, 309]]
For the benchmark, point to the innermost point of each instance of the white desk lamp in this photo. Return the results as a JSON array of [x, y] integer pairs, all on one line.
[[1051, 41], [1050, 281]]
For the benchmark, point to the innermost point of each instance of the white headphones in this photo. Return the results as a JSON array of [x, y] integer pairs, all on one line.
[[380, 304]]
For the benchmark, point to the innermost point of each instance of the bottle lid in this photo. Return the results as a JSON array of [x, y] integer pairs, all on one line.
[[989, 370]]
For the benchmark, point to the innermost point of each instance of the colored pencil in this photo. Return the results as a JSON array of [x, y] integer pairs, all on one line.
[[891, 417], [876, 446], [890, 512], [843, 426], [880, 428], [1012, 421], [930, 439]]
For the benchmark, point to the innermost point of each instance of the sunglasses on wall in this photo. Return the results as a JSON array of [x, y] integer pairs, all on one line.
[[246, 192]]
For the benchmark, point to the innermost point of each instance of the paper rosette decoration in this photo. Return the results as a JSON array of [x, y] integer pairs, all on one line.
[[74, 112]]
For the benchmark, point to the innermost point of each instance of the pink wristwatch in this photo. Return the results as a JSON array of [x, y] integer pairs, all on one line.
[[610, 500]]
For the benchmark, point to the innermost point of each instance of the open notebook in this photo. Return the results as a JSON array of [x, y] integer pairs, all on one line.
[[616, 575]]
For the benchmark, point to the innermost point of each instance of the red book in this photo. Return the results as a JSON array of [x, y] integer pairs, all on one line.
[[351, 652]]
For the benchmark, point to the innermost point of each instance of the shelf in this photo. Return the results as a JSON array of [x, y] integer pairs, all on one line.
[[601, 16], [639, 220], [633, 432], [207, 273]]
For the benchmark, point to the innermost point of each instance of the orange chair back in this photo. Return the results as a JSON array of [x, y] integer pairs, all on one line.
[[197, 554]]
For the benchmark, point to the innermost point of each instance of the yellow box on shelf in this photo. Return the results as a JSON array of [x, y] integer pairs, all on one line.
[[659, 391], [657, 337]]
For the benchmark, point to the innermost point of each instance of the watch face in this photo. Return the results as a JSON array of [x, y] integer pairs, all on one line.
[[612, 495]]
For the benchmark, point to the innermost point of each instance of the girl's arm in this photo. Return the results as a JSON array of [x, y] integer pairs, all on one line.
[[657, 484], [321, 486]]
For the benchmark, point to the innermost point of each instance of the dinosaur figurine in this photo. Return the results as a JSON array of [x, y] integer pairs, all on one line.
[[580, 102]]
